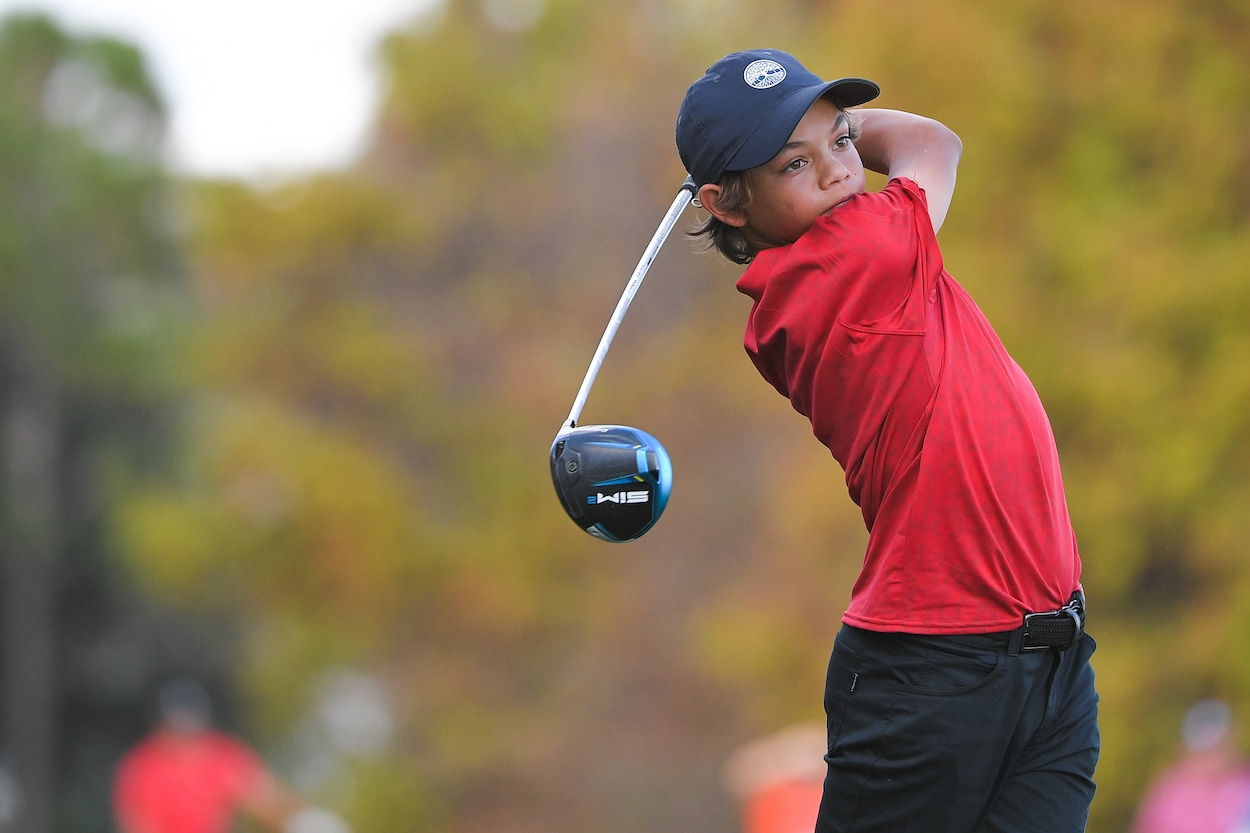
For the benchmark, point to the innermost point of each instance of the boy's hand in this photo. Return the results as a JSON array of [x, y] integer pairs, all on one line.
[[896, 144]]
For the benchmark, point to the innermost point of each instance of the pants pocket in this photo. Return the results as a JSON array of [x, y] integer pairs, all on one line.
[[841, 682]]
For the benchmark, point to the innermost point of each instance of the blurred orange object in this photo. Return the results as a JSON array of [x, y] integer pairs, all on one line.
[[779, 780]]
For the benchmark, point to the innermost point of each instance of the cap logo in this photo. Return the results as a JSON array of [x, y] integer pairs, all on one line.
[[764, 74]]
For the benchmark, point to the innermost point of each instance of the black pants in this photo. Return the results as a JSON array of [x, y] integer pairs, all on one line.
[[953, 735]]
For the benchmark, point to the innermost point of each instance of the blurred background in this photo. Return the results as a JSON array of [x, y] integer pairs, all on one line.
[[288, 435]]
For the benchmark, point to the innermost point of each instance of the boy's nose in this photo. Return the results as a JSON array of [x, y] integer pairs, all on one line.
[[834, 171]]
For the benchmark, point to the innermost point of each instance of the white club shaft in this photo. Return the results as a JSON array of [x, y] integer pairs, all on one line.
[[622, 306]]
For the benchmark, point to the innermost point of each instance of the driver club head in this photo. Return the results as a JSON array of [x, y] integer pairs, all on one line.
[[612, 480]]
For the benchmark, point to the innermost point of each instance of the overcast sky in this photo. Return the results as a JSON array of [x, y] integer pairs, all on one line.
[[256, 88]]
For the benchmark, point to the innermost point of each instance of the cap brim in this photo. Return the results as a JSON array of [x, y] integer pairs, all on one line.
[[772, 134], [851, 92]]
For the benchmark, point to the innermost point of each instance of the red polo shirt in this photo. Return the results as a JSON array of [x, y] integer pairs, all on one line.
[[945, 445]]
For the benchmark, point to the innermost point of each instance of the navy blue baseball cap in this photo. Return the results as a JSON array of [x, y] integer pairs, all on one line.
[[744, 108]]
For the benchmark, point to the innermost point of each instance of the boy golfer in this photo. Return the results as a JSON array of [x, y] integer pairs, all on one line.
[[959, 695]]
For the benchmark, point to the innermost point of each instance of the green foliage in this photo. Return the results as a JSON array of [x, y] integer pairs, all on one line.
[[390, 797], [85, 253]]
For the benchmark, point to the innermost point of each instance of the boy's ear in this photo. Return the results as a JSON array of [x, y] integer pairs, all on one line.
[[709, 197]]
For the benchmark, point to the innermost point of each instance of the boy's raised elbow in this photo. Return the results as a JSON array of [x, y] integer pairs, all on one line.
[[948, 142]]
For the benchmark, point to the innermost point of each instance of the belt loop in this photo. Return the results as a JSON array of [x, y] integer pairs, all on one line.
[[1013, 644]]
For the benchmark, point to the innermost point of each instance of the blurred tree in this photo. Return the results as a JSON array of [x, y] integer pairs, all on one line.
[[88, 279]]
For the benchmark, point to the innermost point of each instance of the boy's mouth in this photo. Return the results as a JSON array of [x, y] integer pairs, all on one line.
[[837, 205]]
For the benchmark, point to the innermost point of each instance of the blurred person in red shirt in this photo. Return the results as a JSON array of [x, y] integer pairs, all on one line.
[[186, 777]]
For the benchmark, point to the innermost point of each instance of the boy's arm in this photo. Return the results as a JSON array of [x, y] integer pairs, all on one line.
[[895, 143]]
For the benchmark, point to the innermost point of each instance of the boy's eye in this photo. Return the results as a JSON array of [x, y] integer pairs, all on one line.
[[794, 165], [842, 141]]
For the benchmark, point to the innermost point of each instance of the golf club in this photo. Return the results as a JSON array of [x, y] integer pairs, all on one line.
[[614, 480]]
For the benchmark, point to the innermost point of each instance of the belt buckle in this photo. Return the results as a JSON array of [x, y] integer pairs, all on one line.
[[1025, 632], [1076, 609]]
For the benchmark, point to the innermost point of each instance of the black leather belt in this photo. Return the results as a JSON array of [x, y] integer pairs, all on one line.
[[1060, 629]]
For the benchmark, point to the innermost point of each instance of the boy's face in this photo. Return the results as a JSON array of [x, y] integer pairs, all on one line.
[[815, 172]]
